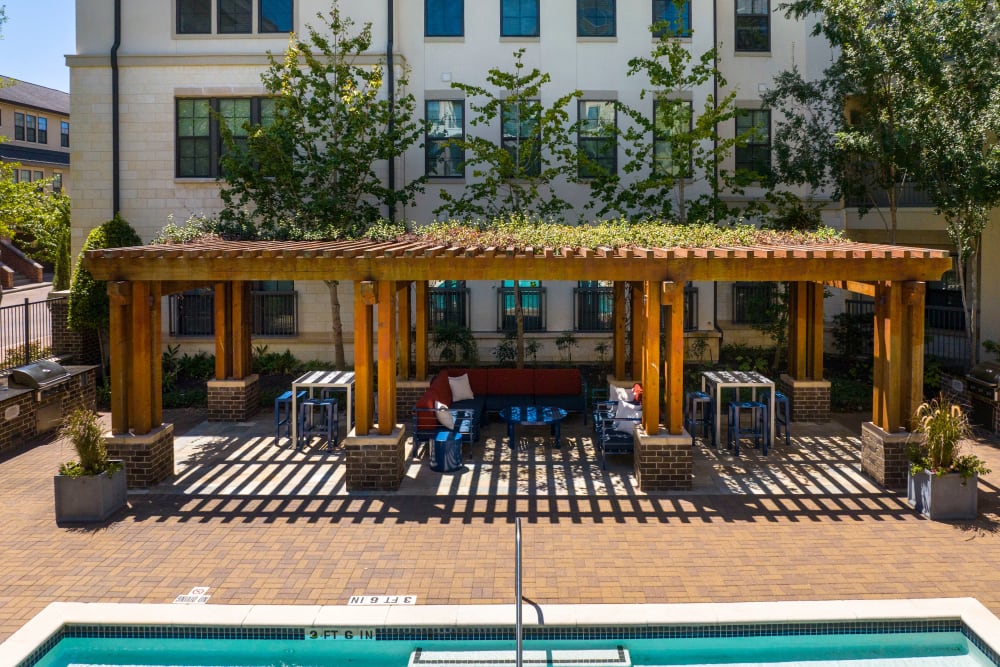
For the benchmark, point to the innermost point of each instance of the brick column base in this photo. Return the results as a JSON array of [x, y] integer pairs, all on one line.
[[808, 400], [407, 393], [663, 461], [883, 455], [375, 462], [233, 400], [149, 458]]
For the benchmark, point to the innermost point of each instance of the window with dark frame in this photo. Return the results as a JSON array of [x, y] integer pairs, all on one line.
[[676, 14], [235, 17], [596, 138], [446, 125], [194, 17], [43, 130], [30, 133], [671, 118], [199, 138], [519, 18], [521, 137], [64, 134], [755, 156], [532, 305], [18, 126], [594, 305], [275, 16], [448, 303], [57, 182], [595, 18], [753, 22], [444, 18]]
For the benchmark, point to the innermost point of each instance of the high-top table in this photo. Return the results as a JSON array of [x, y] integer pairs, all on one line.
[[718, 380], [314, 380]]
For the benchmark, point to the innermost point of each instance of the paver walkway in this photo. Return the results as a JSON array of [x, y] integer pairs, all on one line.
[[260, 524]]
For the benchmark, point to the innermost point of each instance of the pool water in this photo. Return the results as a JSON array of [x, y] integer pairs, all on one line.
[[907, 649]]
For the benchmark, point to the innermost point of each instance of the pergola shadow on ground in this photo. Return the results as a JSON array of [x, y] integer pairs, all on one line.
[[382, 274]]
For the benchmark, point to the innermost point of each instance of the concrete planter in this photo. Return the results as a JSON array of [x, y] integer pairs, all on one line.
[[943, 498], [89, 499]]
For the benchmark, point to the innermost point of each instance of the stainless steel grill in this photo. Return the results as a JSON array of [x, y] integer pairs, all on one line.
[[984, 381], [39, 375]]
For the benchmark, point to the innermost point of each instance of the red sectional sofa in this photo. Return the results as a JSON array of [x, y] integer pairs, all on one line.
[[497, 388]]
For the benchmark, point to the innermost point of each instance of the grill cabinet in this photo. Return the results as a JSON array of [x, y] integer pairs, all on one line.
[[983, 384]]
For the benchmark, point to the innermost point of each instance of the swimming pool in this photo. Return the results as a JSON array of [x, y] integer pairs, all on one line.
[[914, 633]]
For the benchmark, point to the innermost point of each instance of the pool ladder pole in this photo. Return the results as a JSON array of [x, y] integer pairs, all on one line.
[[517, 590]]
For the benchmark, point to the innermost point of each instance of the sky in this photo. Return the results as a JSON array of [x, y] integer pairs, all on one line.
[[36, 38]]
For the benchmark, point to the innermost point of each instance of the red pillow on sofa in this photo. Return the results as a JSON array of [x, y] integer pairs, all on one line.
[[427, 419]]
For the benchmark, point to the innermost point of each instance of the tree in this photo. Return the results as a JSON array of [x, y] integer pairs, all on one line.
[[89, 307], [312, 169]]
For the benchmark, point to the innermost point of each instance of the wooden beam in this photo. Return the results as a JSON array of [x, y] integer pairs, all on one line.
[[423, 332], [880, 355], [887, 403], [386, 357], [368, 294], [241, 328], [140, 407], [619, 331], [674, 363], [120, 297], [868, 289], [403, 298], [912, 390], [156, 352], [637, 330], [177, 286], [814, 360], [363, 372], [223, 331], [651, 358]]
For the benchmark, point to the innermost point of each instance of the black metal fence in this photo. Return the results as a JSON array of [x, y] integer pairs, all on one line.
[[448, 305], [532, 308], [26, 332], [274, 313], [908, 195], [944, 331], [752, 301], [594, 308]]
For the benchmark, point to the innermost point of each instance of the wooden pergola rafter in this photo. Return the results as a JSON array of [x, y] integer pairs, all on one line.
[[382, 274]]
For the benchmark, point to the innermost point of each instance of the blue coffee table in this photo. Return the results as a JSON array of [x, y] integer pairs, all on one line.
[[532, 415]]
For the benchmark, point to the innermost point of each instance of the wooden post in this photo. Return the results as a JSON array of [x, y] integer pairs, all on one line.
[[156, 352], [363, 381], [120, 298], [673, 297], [887, 374], [637, 333], [223, 333], [912, 390], [798, 319], [619, 329], [651, 356], [814, 338], [423, 334], [140, 394], [403, 299], [386, 356], [241, 328]]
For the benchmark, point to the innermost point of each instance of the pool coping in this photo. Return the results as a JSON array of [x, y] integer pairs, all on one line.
[[51, 620]]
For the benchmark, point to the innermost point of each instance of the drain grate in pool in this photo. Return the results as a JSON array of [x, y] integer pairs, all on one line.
[[618, 657]]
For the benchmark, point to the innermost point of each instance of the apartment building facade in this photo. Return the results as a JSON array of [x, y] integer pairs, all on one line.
[[34, 121], [170, 63]]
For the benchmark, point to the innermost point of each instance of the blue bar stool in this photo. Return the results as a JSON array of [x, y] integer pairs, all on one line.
[[318, 416], [757, 428], [283, 414], [699, 409], [781, 419]]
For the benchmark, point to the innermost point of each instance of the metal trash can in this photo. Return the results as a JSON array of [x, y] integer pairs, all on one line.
[[446, 452]]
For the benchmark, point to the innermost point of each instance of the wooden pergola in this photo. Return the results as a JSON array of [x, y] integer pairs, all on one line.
[[382, 274]]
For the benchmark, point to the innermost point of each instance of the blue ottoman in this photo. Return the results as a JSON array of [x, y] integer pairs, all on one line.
[[446, 452]]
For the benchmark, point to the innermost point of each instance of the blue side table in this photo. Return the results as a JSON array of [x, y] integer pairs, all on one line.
[[446, 452]]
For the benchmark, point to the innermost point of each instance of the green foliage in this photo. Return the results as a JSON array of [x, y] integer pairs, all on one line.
[[531, 348], [565, 344], [31, 214], [195, 228], [850, 395], [64, 260], [698, 347], [944, 425], [274, 363], [993, 348], [88, 301], [519, 176], [82, 428], [932, 375], [603, 350], [786, 211], [506, 350], [455, 343], [36, 350], [852, 335], [746, 358]]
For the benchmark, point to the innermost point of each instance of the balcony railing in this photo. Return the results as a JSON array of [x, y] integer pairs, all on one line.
[[273, 314], [944, 330], [907, 196], [26, 332], [532, 307], [448, 305]]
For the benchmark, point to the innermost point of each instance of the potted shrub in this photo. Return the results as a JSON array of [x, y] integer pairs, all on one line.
[[93, 488], [943, 481]]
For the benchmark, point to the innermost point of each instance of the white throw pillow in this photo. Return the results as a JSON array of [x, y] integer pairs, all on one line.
[[616, 393], [461, 390], [627, 411], [444, 415]]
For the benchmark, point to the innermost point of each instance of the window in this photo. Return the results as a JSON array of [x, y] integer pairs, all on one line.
[[64, 134], [448, 301], [194, 17], [275, 16], [30, 133], [519, 18], [43, 130], [274, 310], [235, 17], [38, 175], [753, 303], [443, 158], [532, 305], [596, 139], [199, 139], [522, 138], [594, 305], [444, 18], [676, 14], [671, 118], [753, 18], [755, 156], [19, 126], [595, 18], [57, 184], [25, 176]]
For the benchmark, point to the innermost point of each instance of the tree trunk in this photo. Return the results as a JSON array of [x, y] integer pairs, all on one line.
[[337, 326], [968, 283]]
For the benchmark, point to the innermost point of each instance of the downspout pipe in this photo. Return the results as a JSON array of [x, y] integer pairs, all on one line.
[[391, 79], [115, 120], [715, 105]]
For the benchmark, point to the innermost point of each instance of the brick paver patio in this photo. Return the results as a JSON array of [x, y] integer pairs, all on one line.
[[260, 524]]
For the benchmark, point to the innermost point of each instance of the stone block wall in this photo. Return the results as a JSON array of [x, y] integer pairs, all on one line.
[[808, 400], [233, 400], [149, 458], [407, 393], [375, 462], [883, 456], [17, 420], [663, 462]]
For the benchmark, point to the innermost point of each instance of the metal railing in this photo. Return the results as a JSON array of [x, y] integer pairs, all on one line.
[[751, 301], [690, 308], [908, 195], [448, 305], [532, 307], [273, 313], [26, 332], [593, 308], [944, 330]]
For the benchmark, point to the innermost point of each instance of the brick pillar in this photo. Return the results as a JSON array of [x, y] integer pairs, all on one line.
[[663, 461], [809, 400], [407, 393], [883, 455], [375, 462], [82, 346], [149, 458], [233, 400]]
